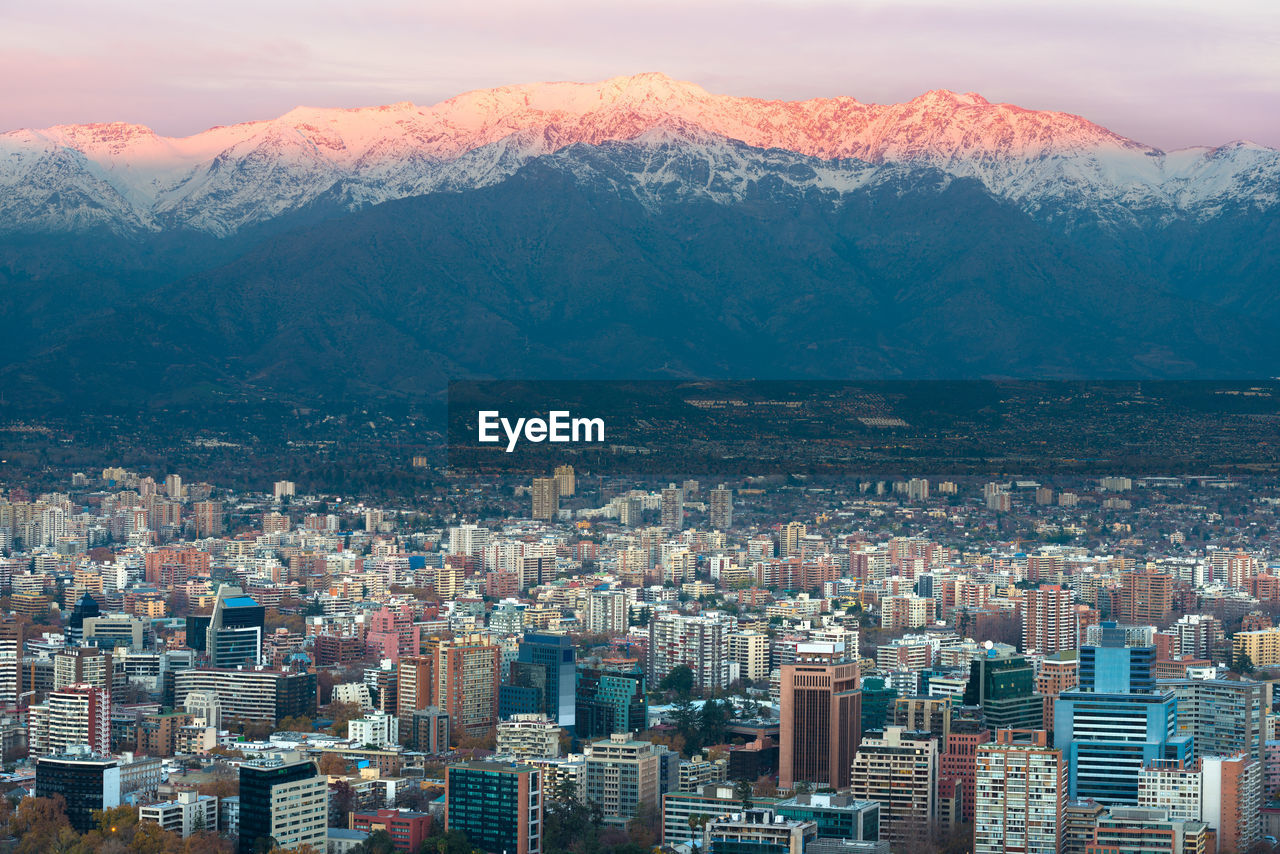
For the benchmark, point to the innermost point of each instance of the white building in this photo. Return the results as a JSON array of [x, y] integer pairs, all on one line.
[[191, 812], [376, 728]]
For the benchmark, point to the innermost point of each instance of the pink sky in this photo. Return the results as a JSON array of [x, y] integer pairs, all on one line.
[[1171, 73]]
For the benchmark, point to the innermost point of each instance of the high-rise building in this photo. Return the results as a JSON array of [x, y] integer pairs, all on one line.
[[498, 806], [1002, 685], [900, 771], [624, 775], [553, 658], [790, 536], [1198, 636], [208, 518], [611, 700], [1049, 623], [1115, 722], [430, 731], [1020, 794], [466, 672], [1222, 716], [1058, 673], [72, 716], [721, 510], [700, 642], [750, 650], [607, 612], [959, 761], [260, 694], [673, 508], [820, 717], [284, 802], [232, 634], [1232, 800], [85, 607], [86, 781], [528, 737], [10, 660], [83, 666], [1079, 823], [1143, 598], [545, 494], [566, 481]]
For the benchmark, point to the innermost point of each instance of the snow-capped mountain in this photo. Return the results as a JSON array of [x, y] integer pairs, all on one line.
[[127, 178]]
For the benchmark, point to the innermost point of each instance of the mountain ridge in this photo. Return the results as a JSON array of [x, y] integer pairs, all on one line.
[[226, 178]]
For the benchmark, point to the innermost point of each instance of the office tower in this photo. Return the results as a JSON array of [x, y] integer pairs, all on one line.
[[760, 831], [1149, 831], [528, 737], [721, 510], [878, 695], [10, 660], [498, 806], [820, 717], [790, 536], [1116, 722], [1049, 622], [87, 782], [959, 761], [86, 607], [190, 812], [697, 641], [553, 657], [1143, 598], [259, 694], [1020, 794], [566, 481], [899, 770], [673, 508], [1002, 686], [750, 650], [1223, 717], [610, 700], [430, 730], [607, 612], [232, 634], [208, 518], [623, 775], [284, 802], [545, 494]]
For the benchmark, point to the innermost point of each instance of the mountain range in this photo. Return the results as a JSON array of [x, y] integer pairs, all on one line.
[[639, 226]]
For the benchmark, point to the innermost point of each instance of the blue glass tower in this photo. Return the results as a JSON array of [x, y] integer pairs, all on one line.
[[543, 678], [1115, 722]]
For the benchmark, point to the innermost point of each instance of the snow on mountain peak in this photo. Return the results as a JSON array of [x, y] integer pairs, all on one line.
[[226, 177]]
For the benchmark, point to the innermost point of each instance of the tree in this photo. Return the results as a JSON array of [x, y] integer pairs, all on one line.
[[679, 680], [1243, 663], [37, 823], [296, 723], [332, 763], [342, 714], [742, 791], [378, 842]]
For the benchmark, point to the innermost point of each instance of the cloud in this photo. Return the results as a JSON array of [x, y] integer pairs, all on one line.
[[1171, 73]]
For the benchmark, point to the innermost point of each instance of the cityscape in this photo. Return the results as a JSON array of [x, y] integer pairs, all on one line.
[[640, 427], [582, 663]]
